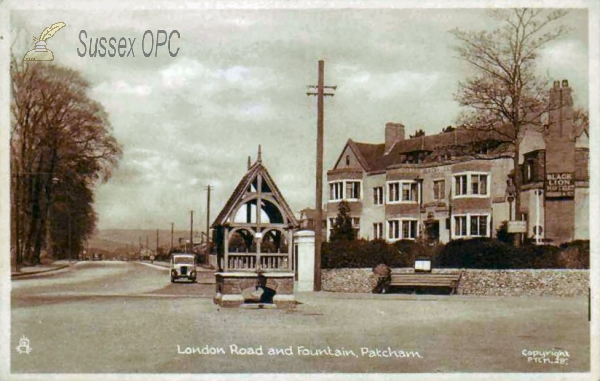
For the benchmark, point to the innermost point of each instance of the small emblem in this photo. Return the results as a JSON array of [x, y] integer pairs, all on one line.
[[24, 346], [41, 53]]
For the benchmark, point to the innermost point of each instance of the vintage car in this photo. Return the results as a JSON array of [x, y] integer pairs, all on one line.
[[183, 266]]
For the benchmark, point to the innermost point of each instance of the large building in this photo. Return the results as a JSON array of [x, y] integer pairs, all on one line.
[[459, 183]]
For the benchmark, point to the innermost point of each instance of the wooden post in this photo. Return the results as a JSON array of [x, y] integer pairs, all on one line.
[[191, 231], [225, 249], [319, 177], [319, 172]]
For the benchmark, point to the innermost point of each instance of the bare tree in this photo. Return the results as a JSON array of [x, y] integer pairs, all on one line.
[[505, 95], [61, 146], [418, 133]]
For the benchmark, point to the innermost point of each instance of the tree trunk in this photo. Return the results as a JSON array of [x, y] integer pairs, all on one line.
[[517, 183]]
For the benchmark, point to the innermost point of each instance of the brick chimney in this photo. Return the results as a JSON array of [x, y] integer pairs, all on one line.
[[559, 213], [393, 132]]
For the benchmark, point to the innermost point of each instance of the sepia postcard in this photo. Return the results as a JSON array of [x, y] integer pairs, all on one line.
[[299, 190]]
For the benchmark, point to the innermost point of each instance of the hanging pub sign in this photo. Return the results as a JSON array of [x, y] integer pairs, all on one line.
[[560, 185]]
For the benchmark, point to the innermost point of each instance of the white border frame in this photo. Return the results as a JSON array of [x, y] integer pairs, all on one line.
[[594, 100]]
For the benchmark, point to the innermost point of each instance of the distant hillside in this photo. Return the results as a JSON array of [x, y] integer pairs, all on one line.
[[120, 239]]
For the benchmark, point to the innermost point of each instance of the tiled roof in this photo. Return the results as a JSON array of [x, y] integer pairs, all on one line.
[[374, 158]]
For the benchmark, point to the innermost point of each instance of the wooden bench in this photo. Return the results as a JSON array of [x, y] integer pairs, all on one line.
[[450, 280]]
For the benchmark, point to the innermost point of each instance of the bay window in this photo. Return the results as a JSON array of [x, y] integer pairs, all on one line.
[[345, 190], [403, 229], [403, 191], [471, 225], [460, 226], [479, 224], [471, 185]]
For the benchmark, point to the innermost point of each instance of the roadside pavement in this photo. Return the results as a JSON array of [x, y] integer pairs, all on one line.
[[41, 269]]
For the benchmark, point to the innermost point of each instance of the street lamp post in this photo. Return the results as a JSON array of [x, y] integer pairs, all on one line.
[[538, 227]]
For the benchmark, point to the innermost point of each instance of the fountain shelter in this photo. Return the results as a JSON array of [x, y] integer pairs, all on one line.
[[253, 234]]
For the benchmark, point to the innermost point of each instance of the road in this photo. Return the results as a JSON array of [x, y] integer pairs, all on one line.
[[126, 317]]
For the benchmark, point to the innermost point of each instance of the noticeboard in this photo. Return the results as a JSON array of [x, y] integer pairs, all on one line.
[[560, 185], [517, 227]]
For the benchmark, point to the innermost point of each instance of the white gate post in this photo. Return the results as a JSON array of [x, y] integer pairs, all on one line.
[[304, 241]]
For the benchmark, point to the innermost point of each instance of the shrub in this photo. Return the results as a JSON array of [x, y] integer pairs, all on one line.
[[575, 255], [477, 253], [360, 254], [502, 233], [538, 257]]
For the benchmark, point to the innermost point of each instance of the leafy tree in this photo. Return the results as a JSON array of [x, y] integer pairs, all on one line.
[[505, 95], [61, 147], [418, 133], [342, 227], [448, 129]]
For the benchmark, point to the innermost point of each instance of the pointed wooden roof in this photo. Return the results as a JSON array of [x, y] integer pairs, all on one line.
[[240, 192]]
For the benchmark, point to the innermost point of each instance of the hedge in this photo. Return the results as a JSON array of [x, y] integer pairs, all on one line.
[[477, 253], [361, 254]]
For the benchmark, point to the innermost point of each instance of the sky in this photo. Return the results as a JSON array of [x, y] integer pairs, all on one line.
[[239, 80]]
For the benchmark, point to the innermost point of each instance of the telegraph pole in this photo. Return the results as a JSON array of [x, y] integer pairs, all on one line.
[[207, 247], [320, 93], [172, 226], [156, 241], [191, 231]]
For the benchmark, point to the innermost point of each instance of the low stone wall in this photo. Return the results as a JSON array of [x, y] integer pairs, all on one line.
[[476, 282]]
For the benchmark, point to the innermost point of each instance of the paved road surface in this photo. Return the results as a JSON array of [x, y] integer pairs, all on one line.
[[113, 317]]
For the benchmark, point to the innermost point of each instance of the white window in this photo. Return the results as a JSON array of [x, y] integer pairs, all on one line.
[[479, 184], [409, 229], [460, 185], [378, 230], [471, 185], [330, 227], [479, 225], [471, 225], [439, 189], [403, 191], [352, 190], [394, 229], [403, 229], [378, 196], [356, 226], [393, 192], [345, 190], [460, 226], [409, 191], [335, 191]]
